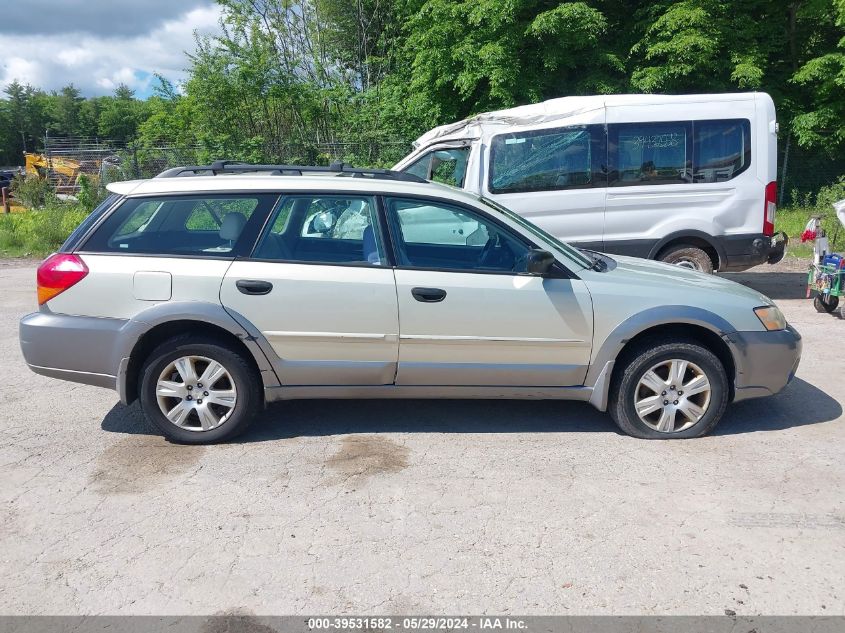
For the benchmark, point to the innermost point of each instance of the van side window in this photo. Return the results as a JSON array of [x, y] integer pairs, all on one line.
[[721, 149], [447, 166], [547, 160], [650, 153]]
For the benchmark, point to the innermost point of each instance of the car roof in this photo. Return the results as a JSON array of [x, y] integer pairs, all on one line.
[[284, 183]]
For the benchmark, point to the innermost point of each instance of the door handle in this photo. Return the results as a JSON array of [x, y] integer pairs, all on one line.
[[254, 286], [429, 295]]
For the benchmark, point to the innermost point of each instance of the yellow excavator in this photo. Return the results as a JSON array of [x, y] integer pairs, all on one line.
[[62, 171]]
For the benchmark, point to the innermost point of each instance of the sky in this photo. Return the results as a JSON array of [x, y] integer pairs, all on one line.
[[99, 44]]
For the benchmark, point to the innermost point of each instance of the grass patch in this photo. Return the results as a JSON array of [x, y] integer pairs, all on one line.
[[37, 233], [792, 220]]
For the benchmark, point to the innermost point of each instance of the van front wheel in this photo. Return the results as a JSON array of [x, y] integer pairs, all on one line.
[[687, 256]]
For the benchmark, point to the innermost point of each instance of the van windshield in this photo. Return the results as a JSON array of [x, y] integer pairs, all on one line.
[[535, 230]]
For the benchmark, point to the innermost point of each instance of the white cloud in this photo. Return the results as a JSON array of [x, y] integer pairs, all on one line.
[[97, 64]]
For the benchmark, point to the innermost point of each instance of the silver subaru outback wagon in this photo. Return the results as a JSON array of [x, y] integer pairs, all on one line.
[[209, 291]]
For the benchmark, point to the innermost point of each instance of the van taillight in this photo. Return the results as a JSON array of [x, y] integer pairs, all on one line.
[[57, 273], [770, 208]]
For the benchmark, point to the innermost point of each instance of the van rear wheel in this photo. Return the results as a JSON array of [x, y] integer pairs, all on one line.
[[687, 256]]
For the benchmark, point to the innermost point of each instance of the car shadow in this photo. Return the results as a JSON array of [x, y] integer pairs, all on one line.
[[799, 404], [304, 418], [773, 285]]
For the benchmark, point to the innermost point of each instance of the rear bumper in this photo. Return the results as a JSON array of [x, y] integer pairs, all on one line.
[[765, 361], [76, 348], [744, 251]]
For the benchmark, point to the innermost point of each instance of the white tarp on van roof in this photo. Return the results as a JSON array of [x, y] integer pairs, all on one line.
[[554, 109]]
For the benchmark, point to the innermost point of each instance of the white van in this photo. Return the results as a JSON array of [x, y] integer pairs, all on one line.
[[686, 179]]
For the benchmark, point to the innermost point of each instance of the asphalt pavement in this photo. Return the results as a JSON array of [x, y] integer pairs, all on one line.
[[422, 507]]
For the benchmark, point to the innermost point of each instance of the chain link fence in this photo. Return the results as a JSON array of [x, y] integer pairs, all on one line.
[[801, 172], [65, 160]]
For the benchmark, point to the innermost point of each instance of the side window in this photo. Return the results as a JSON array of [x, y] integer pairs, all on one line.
[[721, 149], [420, 167], [73, 239], [447, 166], [209, 215], [650, 153], [178, 225], [430, 234], [324, 229], [547, 160]]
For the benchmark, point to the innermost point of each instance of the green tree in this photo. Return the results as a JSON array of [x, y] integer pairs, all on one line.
[[26, 117], [65, 111], [468, 56], [822, 123], [120, 115]]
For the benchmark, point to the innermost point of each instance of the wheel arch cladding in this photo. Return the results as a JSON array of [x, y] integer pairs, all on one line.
[[167, 320], [666, 322]]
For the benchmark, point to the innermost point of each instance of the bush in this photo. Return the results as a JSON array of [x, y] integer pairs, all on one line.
[[90, 193], [31, 191]]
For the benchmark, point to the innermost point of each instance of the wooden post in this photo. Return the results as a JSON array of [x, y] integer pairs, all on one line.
[[5, 191]]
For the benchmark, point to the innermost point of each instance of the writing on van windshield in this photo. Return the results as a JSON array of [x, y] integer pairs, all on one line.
[[648, 141]]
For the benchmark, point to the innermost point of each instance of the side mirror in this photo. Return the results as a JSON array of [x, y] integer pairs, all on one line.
[[539, 262]]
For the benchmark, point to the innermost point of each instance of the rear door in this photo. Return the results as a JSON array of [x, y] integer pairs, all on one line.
[[319, 289]]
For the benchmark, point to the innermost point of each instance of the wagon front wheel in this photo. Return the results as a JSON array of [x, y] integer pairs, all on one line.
[[677, 389]]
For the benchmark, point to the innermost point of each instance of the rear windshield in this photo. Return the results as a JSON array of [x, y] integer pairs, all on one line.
[[208, 225]]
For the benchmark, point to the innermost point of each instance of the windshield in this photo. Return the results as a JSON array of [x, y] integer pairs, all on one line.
[[535, 230]]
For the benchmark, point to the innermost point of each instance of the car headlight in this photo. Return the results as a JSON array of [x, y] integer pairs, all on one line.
[[771, 318]]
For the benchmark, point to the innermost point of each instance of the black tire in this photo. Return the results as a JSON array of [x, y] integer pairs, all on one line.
[[828, 305], [247, 384], [688, 257], [635, 363]]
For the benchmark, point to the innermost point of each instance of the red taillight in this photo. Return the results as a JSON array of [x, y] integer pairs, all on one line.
[[769, 209], [57, 273]]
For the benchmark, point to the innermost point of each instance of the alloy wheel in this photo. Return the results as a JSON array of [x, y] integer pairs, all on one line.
[[672, 396], [196, 393]]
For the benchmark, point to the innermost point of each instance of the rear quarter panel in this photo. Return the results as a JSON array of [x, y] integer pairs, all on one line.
[[121, 286]]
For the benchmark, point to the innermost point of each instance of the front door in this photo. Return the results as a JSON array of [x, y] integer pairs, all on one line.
[[319, 290], [469, 315]]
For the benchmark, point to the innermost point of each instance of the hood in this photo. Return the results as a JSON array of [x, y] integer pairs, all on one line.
[[649, 273]]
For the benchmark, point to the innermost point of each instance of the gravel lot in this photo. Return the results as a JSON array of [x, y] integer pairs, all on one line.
[[424, 507]]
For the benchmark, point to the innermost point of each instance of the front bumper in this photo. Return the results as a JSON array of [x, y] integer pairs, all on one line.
[[765, 361]]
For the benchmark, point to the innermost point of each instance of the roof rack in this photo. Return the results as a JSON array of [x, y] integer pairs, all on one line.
[[235, 167]]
